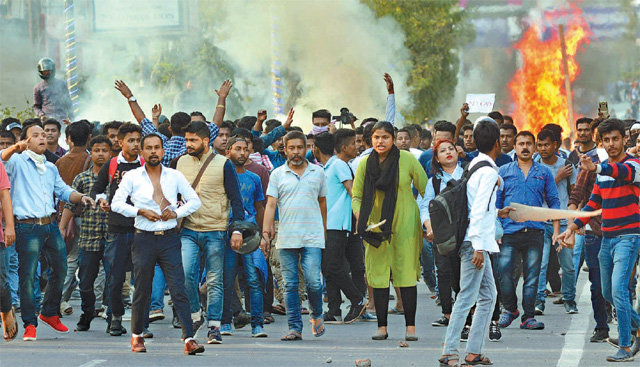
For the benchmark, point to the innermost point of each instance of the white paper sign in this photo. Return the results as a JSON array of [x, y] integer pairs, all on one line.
[[480, 103]]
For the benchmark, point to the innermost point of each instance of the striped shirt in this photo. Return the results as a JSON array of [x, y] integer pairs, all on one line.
[[616, 191], [300, 217]]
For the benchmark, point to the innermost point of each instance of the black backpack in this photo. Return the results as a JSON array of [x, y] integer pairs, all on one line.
[[449, 212]]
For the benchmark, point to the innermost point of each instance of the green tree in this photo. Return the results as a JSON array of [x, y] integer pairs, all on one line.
[[434, 29]]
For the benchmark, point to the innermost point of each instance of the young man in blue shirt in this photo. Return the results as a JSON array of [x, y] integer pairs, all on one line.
[[340, 238], [253, 203], [530, 183], [565, 177]]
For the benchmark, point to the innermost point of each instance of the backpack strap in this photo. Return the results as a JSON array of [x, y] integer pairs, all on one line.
[[113, 166], [469, 172], [436, 185]]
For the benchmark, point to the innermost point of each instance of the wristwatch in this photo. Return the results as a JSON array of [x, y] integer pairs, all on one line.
[[132, 99]]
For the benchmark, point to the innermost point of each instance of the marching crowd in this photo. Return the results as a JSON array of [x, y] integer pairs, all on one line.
[[244, 219]]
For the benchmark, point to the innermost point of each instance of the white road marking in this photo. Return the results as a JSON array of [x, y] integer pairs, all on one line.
[[575, 338], [93, 363]]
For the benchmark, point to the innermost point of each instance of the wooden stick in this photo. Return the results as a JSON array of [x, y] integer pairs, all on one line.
[[567, 82]]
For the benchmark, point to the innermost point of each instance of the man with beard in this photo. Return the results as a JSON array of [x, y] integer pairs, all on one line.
[[205, 231], [150, 195], [299, 190], [530, 183], [253, 202]]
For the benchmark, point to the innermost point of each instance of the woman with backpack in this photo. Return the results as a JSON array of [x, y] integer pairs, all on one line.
[[444, 167], [382, 198]]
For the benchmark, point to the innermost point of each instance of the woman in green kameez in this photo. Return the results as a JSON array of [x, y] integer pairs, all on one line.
[[382, 192]]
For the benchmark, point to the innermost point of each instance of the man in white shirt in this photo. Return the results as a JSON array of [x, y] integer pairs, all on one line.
[[477, 284], [153, 190]]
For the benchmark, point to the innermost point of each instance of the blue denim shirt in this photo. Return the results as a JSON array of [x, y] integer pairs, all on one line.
[[537, 188], [32, 192]]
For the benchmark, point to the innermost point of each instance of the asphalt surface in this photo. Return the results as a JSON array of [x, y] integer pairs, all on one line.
[[564, 342]]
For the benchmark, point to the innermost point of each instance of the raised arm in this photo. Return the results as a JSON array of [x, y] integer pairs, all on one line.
[[260, 118], [18, 147], [464, 113], [390, 110], [223, 92], [278, 132], [138, 114]]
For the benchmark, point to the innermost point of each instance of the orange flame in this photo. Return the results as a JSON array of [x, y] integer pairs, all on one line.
[[537, 88]]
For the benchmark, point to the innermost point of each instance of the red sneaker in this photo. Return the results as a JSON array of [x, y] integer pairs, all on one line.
[[29, 333], [54, 323]]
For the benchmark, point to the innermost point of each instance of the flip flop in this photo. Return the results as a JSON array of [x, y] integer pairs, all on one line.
[[444, 361], [317, 330], [5, 333], [291, 336], [279, 310], [478, 360], [395, 311]]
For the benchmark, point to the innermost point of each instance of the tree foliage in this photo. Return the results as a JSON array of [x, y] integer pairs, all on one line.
[[434, 29]]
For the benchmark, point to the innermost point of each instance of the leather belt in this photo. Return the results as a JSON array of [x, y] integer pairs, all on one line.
[[39, 221], [157, 233], [530, 230]]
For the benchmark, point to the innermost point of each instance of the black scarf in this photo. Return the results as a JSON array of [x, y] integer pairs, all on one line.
[[383, 177]]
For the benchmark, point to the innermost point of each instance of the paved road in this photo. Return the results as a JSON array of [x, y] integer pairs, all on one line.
[[564, 342]]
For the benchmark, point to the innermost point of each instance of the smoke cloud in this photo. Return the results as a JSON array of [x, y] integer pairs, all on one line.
[[332, 54], [338, 50]]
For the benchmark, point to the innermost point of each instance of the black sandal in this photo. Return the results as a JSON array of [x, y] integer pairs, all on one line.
[[480, 359], [444, 361]]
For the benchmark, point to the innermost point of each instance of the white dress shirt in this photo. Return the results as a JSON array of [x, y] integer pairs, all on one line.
[[137, 185], [481, 194]]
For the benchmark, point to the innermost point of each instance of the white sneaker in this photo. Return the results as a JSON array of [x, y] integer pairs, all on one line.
[[65, 308]]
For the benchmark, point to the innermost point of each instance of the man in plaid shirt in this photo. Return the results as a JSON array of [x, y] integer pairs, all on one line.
[[92, 231], [176, 145]]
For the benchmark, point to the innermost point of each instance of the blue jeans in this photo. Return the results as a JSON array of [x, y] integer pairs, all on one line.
[[157, 289], [427, 262], [579, 254], [231, 263], [310, 258], [477, 287], [5, 290], [591, 249], [566, 262], [617, 258], [30, 240], [529, 245], [212, 244], [12, 273], [117, 262]]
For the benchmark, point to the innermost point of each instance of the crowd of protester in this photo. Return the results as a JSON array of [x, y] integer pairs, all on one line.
[[240, 220]]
